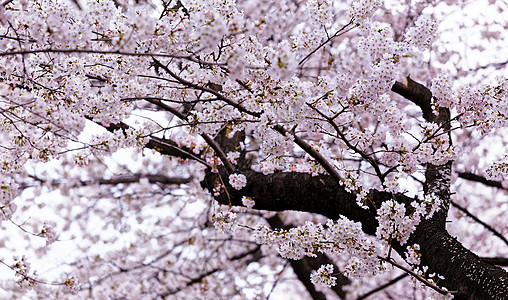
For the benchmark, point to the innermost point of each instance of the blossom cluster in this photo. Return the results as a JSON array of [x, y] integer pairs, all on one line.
[[412, 255], [22, 268], [233, 157], [324, 276], [237, 181], [394, 224], [294, 243], [8, 190], [225, 221], [320, 12], [248, 202], [72, 283], [362, 10], [423, 33], [340, 236], [498, 169], [48, 232], [442, 91]]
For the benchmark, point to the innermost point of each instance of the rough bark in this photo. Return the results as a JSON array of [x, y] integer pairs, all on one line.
[[416, 93], [298, 191], [465, 273]]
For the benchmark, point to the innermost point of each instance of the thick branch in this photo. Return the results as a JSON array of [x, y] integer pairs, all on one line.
[[481, 179], [152, 178], [298, 191], [416, 93], [499, 261], [437, 183], [465, 273]]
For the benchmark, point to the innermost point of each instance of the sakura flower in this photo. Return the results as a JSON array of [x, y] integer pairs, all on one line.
[[324, 276], [248, 202], [49, 233], [225, 221], [237, 181]]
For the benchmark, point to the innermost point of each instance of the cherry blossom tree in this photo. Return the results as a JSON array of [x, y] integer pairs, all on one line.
[[254, 149]]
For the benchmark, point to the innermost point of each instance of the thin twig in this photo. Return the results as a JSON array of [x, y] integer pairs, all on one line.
[[384, 286], [312, 152], [336, 34], [369, 159], [111, 52], [418, 277]]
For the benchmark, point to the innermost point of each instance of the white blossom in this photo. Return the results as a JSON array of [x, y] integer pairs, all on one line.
[[324, 276], [237, 181]]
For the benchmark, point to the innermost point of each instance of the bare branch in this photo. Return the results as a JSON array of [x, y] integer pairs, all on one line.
[[368, 158], [499, 261], [311, 151], [200, 278], [384, 286], [339, 32], [108, 52], [211, 142], [481, 179], [132, 178], [487, 226]]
